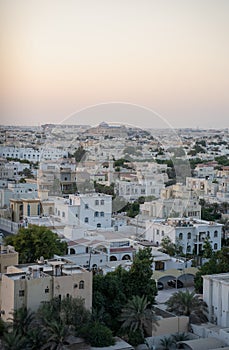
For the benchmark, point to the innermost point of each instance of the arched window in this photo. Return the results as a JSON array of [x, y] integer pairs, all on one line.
[[98, 225], [72, 251], [81, 285], [86, 220], [188, 249], [189, 235], [215, 246], [215, 233], [102, 213], [113, 258], [96, 214], [180, 235], [126, 257]]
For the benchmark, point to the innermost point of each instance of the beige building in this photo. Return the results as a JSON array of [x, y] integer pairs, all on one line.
[[8, 257], [29, 285]]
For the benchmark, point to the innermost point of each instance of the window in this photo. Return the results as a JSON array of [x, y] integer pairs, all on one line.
[[180, 235], [159, 265], [21, 293], [86, 220], [96, 214], [58, 213], [102, 202], [96, 202], [63, 214], [162, 233], [215, 246], [28, 210], [98, 225], [157, 232], [215, 233], [47, 289], [189, 235], [188, 249], [102, 213], [81, 285], [86, 206], [38, 209]]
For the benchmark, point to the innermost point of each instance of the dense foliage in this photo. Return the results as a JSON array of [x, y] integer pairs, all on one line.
[[113, 291], [218, 263], [35, 241], [188, 304], [50, 327]]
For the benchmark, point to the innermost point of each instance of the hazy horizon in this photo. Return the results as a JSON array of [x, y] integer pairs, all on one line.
[[60, 57]]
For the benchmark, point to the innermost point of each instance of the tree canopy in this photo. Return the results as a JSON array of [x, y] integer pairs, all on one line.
[[218, 263], [188, 304], [35, 241], [113, 290]]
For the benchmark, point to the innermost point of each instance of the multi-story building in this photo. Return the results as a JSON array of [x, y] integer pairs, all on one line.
[[30, 285], [32, 154], [215, 294], [201, 186], [171, 208], [6, 172], [175, 201], [204, 171], [17, 191], [8, 257], [190, 234]]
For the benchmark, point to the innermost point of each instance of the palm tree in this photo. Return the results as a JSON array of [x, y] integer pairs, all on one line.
[[137, 315], [188, 304], [22, 320], [167, 343], [180, 337], [56, 333], [14, 341]]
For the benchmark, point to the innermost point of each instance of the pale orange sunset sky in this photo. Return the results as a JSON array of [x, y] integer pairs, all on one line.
[[58, 56]]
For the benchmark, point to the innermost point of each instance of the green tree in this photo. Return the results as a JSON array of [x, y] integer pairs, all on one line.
[[22, 320], [138, 315], [112, 291], [98, 335], [14, 341], [167, 246], [207, 249], [139, 279], [35, 241], [73, 313], [79, 153], [218, 263], [167, 343], [188, 304], [109, 295], [56, 335]]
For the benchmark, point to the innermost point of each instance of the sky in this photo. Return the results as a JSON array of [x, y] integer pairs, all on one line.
[[62, 56]]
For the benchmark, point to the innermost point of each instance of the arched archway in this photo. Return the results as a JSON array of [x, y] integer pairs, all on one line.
[[72, 251], [126, 257], [113, 258]]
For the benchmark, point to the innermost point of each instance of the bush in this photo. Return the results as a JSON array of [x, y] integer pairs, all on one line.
[[98, 335]]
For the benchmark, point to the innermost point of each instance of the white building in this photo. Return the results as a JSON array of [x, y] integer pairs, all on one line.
[[164, 208], [17, 191], [32, 154], [204, 171], [92, 210], [132, 189], [216, 295], [189, 233]]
